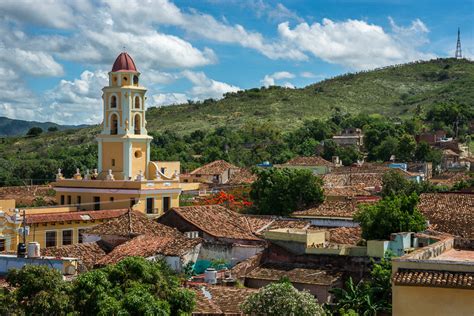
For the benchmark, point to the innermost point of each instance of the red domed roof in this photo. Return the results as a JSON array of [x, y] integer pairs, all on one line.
[[124, 63]]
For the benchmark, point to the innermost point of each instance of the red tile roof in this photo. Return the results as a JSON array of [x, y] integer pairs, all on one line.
[[260, 223], [124, 62], [452, 213], [214, 168], [216, 221], [359, 179], [150, 245], [328, 208], [220, 300], [342, 235], [274, 272], [133, 223], [242, 176], [445, 279], [309, 161], [73, 216], [88, 253], [349, 191]]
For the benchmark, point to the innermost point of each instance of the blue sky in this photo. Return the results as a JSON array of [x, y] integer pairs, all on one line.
[[56, 54]]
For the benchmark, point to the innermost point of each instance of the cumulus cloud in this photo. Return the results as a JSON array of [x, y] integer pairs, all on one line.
[[204, 87], [269, 80], [307, 74], [31, 62], [162, 99], [356, 44]]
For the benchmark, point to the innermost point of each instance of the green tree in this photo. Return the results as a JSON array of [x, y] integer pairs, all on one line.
[[282, 298], [38, 290], [406, 148], [282, 191], [53, 129], [390, 215], [34, 131]]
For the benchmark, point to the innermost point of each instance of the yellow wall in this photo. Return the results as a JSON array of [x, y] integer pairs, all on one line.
[[7, 204], [112, 150], [140, 162], [417, 300]]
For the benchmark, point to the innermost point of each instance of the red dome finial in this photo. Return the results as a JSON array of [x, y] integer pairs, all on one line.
[[124, 63]]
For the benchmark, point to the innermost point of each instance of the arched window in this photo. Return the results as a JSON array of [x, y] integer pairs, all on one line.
[[113, 124], [135, 80], [113, 101], [137, 124], [137, 102]]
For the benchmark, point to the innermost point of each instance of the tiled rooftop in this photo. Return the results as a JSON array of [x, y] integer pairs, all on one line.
[[274, 272], [259, 224], [345, 209], [150, 245], [73, 216], [309, 161], [215, 167], [345, 235], [242, 176], [449, 212], [88, 253], [359, 179], [450, 177], [220, 300], [216, 221], [349, 191], [132, 223], [463, 280]]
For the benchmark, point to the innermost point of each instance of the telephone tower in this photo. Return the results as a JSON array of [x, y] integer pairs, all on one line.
[[458, 46]]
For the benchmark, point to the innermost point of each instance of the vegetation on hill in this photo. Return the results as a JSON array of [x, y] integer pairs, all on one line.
[[11, 127], [276, 124]]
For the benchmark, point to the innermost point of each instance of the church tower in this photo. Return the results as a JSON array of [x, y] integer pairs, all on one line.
[[124, 145]]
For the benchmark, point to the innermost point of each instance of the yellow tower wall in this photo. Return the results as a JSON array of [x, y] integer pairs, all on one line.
[[112, 150]]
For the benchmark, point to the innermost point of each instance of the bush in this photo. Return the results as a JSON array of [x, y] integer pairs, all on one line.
[[34, 131]]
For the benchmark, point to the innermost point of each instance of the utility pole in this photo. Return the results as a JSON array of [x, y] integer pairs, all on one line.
[[458, 53]]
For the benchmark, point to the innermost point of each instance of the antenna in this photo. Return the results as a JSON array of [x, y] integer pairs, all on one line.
[[458, 46]]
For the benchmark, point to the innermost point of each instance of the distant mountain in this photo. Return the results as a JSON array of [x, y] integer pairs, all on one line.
[[11, 127]]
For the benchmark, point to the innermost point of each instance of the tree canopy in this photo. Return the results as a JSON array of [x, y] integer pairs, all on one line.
[[390, 215], [282, 298], [282, 191]]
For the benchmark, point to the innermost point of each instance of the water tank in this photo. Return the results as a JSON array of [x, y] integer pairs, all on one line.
[[34, 250], [210, 276]]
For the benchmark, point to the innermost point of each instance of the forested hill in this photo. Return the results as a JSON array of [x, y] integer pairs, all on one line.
[[400, 90], [11, 127]]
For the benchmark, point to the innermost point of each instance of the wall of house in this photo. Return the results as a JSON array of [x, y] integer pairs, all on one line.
[[8, 262], [7, 204], [418, 300], [231, 253]]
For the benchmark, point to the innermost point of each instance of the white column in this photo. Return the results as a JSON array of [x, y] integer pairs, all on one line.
[[127, 162], [99, 161]]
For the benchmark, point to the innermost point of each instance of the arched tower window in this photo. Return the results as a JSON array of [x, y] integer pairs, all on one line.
[[135, 80], [137, 124], [113, 124], [137, 102], [113, 101]]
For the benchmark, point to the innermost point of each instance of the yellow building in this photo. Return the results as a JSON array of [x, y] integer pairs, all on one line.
[[435, 280], [125, 175]]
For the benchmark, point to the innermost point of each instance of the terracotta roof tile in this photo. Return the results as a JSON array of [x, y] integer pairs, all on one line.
[[462, 280], [450, 177], [220, 300], [132, 223], [452, 213], [349, 191], [359, 179], [242, 176], [73, 216], [261, 223], [243, 268], [342, 235], [274, 272], [88, 253], [329, 208], [216, 221], [308, 161], [215, 167], [150, 245]]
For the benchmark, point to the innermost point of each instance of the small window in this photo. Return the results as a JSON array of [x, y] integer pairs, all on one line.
[[125, 79], [80, 238], [138, 154], [69, 200], [114, 125], [137, 124], [51, 239], [2, 245], [163, 170], [96, 203], [135, 80], [62, 199], [132, 202], [111, 199], [113, 162], [79, 200], [67, 237], [137, 102], [166, 204], [113, 101]]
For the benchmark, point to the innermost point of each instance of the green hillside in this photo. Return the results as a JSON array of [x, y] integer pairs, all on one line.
[[11, 127], [393, 91]]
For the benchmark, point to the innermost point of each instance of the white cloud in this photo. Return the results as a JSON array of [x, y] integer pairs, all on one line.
[[269, 80], [204, 87], [31, 62], [356, 44], [162, 99], [307, 74]]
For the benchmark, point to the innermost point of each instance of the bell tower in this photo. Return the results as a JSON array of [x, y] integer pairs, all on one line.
[[124, 144]]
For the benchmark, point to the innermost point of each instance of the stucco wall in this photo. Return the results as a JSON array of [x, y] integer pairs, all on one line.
[[414, 300]]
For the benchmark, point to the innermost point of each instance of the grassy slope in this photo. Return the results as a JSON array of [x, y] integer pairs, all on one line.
[[393, 91]]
